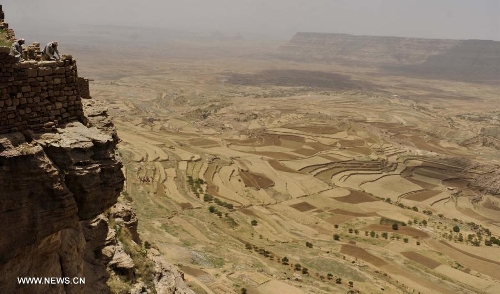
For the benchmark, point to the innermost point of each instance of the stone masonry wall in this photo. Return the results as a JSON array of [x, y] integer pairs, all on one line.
[[83, 88], [38, 95]]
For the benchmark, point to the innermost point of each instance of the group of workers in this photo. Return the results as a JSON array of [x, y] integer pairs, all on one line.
[[48, 53]]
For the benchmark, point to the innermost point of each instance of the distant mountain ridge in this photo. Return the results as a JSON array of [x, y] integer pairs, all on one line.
[[472, 60]]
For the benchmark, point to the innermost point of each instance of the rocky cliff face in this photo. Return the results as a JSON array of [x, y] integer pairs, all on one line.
[[59, 176], [476, 60], [53, 189]]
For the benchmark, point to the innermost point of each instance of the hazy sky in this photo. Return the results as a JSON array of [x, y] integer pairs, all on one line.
[[454, 19]]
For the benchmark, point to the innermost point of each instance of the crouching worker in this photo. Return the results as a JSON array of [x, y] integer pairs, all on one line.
[[17, 48], [49, 51]]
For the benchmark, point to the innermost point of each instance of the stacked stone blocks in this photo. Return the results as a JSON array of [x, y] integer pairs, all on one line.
[[32, 52], [84, 88], [38, 95]]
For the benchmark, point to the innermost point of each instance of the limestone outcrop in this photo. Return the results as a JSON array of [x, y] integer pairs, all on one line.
[[167, 279], [59, 173], [489, 182], [54, 188]]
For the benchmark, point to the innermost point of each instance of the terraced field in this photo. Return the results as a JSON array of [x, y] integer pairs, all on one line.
[[286, 194]]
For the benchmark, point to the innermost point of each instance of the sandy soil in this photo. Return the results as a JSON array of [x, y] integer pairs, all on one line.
[[299, 159]]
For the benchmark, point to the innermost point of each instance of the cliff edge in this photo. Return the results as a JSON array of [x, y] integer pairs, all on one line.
[[60, 174]]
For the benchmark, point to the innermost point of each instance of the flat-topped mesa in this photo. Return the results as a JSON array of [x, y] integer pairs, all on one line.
[[38, 95], [466, 60]]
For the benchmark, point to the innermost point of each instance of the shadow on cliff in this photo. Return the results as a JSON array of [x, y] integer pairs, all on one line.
[[299, 78]]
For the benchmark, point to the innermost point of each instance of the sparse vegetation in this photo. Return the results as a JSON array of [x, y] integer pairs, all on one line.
[[3, 39], [303, 153]]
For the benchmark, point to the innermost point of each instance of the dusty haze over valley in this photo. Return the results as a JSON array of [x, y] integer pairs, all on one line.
[[276, 146]]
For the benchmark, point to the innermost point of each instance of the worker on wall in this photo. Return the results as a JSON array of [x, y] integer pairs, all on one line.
[[50, 50], [17, 48]]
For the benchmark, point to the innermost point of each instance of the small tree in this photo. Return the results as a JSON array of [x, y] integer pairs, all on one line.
[[298, 267], [372, 234], [351, 284], [351, 231], [329, 276], [253, 222], [456, 229], [212, 209], [338, 280], [424, 222], [395, 226], [336, 226], [385, 235], [284, 260], [305, 271], [356, 232], [405, 240], [336, 237], [488, 232], [309, 245], [243, 291]]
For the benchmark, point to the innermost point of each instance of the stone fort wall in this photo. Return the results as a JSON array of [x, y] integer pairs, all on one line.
[[38, 95]]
